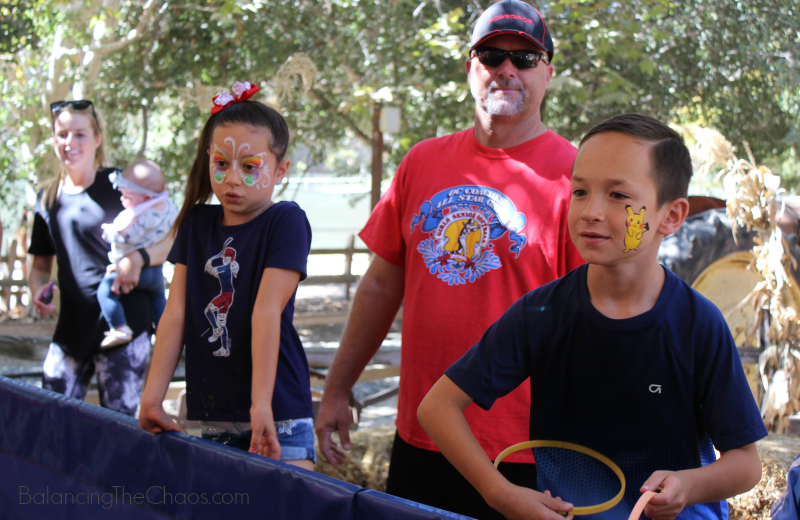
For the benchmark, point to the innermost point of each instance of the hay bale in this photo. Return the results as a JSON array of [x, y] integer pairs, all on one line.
[[367, 464], [777, 454]]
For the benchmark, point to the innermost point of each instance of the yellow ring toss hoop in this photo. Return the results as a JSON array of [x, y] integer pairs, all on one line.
[[588, 510]]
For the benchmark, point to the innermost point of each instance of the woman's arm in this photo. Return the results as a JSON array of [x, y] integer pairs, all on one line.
[[277, 286], [167, 351], [38, 277], [130, 267]]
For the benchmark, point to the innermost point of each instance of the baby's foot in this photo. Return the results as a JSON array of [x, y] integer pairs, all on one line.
[[115, 337]]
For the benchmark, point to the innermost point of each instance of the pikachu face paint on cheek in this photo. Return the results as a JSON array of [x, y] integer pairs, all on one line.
[[635, 228]]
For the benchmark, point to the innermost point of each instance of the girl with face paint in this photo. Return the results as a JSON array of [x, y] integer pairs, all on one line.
[[231, 302]]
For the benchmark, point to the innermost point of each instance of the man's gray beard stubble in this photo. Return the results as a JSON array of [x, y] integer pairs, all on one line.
[[495, 107]]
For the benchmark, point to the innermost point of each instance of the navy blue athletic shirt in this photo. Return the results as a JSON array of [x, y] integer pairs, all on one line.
[[224, 266], [652, 392]]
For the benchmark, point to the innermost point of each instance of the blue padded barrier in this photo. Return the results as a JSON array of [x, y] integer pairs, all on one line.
[[64, 458]]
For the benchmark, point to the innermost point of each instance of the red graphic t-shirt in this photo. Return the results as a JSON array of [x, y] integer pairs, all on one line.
[[475, 228]]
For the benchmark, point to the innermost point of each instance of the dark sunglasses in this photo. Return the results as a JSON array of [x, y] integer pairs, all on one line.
[[493, 57], [81, 104]]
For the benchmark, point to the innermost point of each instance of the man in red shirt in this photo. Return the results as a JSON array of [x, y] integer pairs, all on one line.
[[472, 221]]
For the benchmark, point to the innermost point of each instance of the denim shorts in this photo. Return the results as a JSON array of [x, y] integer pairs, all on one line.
[[296, 436]]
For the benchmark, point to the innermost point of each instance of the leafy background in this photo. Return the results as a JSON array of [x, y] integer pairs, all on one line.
[[152, 66]]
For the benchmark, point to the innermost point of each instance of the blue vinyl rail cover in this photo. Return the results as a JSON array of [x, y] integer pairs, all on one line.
[[63, 458]]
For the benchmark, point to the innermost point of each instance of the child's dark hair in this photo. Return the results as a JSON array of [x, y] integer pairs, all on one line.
[[252, 113], [672, 164]]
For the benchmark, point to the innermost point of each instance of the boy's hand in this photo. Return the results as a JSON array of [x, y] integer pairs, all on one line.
[[155, 420], [265, 438], [526, 504], [672, 498]]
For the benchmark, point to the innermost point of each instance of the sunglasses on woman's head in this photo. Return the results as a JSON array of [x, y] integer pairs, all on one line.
[[81, 104], [493, 57]]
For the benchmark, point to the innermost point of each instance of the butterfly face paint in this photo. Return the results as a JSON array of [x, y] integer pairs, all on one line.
[[219, 163], [635, 228], [253, 170]]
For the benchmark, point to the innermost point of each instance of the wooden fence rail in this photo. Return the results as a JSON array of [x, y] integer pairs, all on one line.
[[8, 286]]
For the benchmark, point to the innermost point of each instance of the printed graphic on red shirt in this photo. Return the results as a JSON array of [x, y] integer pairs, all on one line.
[[463, 223], [222, 266]]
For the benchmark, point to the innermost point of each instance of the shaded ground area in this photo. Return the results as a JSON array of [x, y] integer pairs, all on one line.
[[23, 342]]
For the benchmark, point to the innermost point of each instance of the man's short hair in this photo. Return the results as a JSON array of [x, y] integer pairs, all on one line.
[[672, 164]]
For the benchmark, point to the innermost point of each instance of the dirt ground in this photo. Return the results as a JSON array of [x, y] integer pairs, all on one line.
[[777, 454], [27, 327]]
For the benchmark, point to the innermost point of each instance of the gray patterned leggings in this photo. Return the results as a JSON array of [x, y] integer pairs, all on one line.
[[120, 374]]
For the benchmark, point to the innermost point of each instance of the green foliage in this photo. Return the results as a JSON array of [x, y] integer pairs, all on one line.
[[17, 30], [365, 53], [726, 64]]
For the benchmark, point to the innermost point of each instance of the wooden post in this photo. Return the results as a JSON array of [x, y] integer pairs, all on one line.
[[348, 264], [11, 257], [377, 155], [5, 292]]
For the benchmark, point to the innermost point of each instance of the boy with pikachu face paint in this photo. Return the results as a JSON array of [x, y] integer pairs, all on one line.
[[623, 357]]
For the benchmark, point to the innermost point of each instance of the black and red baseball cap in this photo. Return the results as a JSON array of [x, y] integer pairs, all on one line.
[[513, 17]]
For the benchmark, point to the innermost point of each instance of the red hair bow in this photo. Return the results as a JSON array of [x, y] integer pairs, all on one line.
[[241, 92]]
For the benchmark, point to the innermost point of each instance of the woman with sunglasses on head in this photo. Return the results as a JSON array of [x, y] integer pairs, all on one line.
[[67, 226]]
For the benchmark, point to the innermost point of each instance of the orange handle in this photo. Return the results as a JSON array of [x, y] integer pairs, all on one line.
[[639, 507]]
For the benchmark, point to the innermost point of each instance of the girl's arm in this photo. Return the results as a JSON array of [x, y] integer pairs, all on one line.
[[277, 286], [167, 351], [37, 279]]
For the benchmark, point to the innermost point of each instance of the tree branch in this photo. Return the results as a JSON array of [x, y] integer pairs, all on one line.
[[144, 133], [328, 106], [124, 42]]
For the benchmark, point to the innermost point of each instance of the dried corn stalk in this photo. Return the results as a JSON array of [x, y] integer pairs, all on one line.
[[752, 203]]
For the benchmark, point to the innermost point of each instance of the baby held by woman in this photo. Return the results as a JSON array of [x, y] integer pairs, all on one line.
[[147, 218]]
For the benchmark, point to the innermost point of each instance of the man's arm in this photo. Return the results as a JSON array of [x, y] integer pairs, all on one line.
[[130, 267], [736, 471], [441, 414], [375, 306]]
